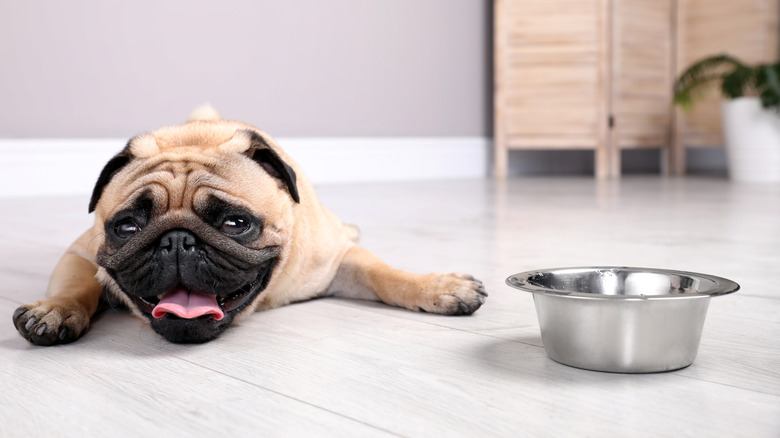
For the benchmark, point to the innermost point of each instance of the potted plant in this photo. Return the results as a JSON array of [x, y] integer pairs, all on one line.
[[751, 113]]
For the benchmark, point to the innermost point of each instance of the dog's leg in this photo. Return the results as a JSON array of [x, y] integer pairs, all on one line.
[[363, 275], [71, 300]]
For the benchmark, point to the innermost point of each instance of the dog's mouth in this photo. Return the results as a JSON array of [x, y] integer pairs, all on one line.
[[182, 302]]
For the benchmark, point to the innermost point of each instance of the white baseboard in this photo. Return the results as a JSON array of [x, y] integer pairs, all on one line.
[[55, 167]]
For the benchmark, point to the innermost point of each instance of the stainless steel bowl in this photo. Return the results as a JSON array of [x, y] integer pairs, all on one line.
[[623, 320]]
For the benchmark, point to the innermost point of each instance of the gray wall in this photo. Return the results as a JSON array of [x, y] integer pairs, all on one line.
[[293, 67]]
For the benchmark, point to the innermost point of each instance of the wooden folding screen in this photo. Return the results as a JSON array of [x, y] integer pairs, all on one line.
[[551, 83], [747, 29], [598, 74], [642, 74]]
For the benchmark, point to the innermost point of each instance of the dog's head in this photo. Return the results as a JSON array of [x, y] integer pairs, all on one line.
[[197, 220]]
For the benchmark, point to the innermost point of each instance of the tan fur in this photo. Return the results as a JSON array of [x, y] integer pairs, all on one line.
[[204, 112], [181, 166]]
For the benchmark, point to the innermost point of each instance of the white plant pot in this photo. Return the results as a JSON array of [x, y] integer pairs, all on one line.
[[752, 136]]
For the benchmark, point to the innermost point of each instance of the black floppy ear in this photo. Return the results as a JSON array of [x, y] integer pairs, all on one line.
[[262, 153], [109, 170]]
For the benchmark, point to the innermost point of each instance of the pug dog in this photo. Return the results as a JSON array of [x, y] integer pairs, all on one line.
[[201, 224]]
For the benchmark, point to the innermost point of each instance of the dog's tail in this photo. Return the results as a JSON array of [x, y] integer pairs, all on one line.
[[205, 113], [353, 232]]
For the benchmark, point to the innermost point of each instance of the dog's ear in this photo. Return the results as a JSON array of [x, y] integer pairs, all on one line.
[[264, 155], [111, 168]]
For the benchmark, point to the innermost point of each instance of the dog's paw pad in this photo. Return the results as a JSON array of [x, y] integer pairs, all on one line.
[[454, 294], [45, 323]]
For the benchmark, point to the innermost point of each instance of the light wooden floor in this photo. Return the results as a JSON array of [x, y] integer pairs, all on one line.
[[344, 368]]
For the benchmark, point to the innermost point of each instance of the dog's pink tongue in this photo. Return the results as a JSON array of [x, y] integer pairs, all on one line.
[[188, 305]]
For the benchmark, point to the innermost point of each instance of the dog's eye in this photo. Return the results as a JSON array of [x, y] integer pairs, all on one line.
[[126, 228], [234, 225]]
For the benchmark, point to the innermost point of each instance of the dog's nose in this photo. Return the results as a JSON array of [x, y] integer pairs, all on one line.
[[178, 241]]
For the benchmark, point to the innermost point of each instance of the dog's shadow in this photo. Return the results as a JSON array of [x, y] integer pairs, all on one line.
[[510, 354]]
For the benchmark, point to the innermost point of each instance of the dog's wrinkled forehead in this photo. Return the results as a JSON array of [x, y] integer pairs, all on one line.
[[201, 137], [215, 146]]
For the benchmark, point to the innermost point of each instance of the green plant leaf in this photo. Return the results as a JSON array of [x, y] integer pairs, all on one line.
[[704, 75], [768, 83], [740, 82]]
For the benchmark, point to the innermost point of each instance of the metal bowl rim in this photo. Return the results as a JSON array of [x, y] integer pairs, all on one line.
[[723, 286]]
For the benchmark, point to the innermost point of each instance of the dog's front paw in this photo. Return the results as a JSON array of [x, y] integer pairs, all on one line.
[[47, 322], [453, 294]]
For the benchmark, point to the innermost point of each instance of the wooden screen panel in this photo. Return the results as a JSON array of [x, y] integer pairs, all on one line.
[[552, 86], [642, 69], [746, 29]]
